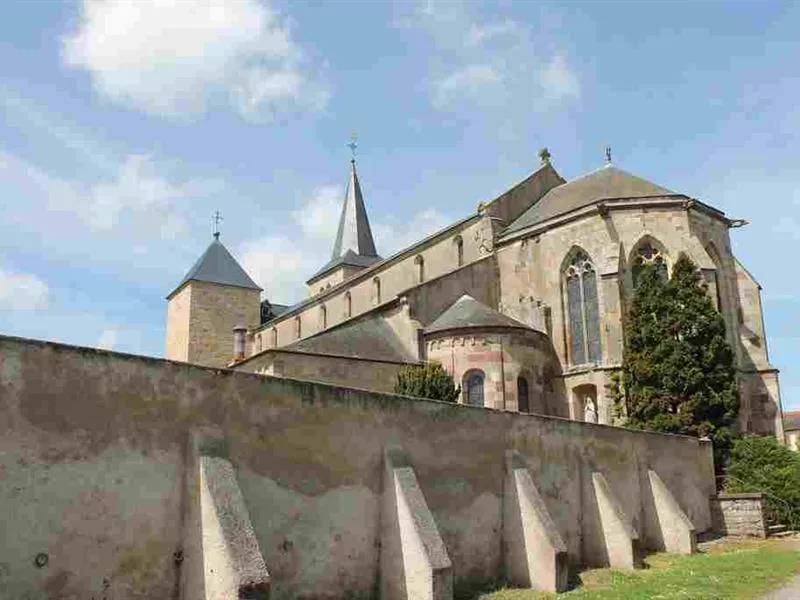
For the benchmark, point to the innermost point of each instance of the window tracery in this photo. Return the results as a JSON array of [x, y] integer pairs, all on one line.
[[649, 255], [582, 309]]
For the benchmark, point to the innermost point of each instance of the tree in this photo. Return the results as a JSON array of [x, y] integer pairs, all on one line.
[[678, 370], [427, 381], [761, 464]]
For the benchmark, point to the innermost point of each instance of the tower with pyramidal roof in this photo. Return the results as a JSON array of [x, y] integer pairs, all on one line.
[[215, 296]]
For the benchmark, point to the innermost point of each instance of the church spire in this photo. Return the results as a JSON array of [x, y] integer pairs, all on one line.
[[354, 233]]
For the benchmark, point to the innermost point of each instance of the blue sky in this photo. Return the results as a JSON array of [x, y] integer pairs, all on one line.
[[124, 125]]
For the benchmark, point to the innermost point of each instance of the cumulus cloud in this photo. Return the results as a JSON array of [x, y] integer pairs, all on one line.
[[318, 218], [22, 291], [471, 80], [558, 81], [499, 64], [174, 58]]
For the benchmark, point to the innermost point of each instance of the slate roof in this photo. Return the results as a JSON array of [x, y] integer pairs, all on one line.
[[370, 339], [791, 420], [467, 312], [217, 265], [607, 183], [354, 244]]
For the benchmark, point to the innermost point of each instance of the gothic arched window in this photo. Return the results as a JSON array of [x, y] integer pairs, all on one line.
[[582, 310], [523, 399], [348, 305], [298, 327], [473, 386], [323, 317], [274, 337], [647, 254]]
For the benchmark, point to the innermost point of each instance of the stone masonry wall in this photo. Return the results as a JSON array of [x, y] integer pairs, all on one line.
[[379, 376], [93, 456], [215, 311], [739, 514]]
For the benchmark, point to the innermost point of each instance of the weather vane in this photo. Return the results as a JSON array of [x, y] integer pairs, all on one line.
[[608, 154], [216, 219], [353, 145]]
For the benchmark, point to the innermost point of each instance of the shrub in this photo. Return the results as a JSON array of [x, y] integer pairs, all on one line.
[[761, 464], [427, 381]]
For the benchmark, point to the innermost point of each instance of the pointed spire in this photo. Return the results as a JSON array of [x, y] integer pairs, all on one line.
[[354, 234]]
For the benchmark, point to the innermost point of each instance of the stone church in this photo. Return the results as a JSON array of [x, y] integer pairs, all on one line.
[[522, 300]]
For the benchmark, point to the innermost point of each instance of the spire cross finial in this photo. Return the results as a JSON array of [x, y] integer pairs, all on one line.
[[608, 154], [216, 219], [353, 145]]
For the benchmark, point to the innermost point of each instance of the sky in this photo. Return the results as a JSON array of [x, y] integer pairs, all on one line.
[[124, 125]]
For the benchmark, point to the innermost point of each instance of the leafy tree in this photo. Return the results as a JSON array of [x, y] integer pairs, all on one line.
[[761, 464], [678, 370], [427, 381]]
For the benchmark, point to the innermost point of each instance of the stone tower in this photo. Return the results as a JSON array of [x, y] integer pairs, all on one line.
[[215, 296]]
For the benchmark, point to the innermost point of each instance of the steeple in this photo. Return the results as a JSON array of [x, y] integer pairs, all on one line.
[[354, 232], [354, 247]]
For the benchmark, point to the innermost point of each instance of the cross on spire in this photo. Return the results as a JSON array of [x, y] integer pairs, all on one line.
[[608, 154], [216, 219], [353, 145]]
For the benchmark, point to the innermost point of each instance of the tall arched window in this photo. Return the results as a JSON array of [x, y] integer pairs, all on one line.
[[258, 343], [420, 264], [298, 327], [274, 337], [473, 388], [459, 242], [323, 317], [348, 305], [582, 310], [523, 399], [648, 254], [376, 290]]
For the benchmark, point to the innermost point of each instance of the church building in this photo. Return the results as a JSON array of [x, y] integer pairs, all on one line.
[[522, 300]]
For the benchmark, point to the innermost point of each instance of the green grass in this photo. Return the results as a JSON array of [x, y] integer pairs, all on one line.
[[742, 569]]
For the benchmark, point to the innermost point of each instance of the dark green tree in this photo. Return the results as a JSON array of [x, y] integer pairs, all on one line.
[[427, 381], [761, 464], [678, 370]]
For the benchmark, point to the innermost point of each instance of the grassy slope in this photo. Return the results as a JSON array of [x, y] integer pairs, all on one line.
[[743, 569]]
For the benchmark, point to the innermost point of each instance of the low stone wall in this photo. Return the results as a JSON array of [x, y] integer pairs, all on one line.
[[107, 498], [739, 514]]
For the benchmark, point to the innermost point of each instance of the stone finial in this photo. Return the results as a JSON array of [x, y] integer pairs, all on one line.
[[544, 154]]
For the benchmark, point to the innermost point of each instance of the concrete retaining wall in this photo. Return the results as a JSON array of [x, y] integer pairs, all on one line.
[[94, 468]]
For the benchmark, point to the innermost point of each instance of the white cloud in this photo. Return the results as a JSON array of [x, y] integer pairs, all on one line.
[[279, 264], [500, 64], [137, 187], [173, 58], [471, 80], [22, 291], [558, 81], [318, 218], [108, 338], [483, 33], [393, 237]]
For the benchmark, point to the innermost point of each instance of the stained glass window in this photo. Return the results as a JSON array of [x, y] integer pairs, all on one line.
[[582, 310], [475, 389]]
